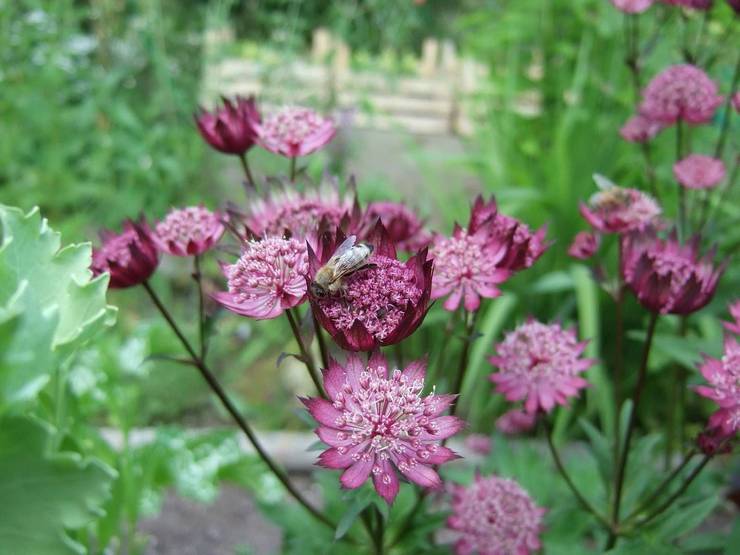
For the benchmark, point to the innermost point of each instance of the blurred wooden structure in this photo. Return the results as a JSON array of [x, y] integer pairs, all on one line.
[[435, 97]]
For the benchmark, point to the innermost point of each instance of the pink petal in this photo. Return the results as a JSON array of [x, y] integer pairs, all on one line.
[[422, 475], [356, 474], [323, 411], [386, 482]]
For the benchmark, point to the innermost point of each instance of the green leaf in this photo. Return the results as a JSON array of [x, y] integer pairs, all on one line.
[[49, 305], [359, 501], [681, 520], [44, 494]]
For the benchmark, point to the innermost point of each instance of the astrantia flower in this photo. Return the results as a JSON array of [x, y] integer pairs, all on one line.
[[632, 6], [734, 327], [618, 209], [516, 422], [478, 443], [295, 131], [495, 516], [723, 376], [584, 245], [130, 257], [666, 276], [269, 278], [640, 129], [712, 441], [231, 128], [467, 266], [376, 422], [697, 171], [540, 364], [680, 92], [299, 213], [404, 227], [188, 231], [379, 305]]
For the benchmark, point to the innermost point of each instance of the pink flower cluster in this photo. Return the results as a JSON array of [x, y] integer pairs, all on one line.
[[698, 171], [734, 327], [640, 129], [129, 257], [188, 231], [295, 131], [723, 375], [632, 6], [377, 422], [619, 210]]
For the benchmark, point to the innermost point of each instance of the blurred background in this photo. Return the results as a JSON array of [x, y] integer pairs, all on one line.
[[437, 100]]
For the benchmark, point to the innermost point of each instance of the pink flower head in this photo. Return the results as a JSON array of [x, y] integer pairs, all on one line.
[[523, 247], [295, 131], [516, 422], [616, 209], [712, 441], [381, 304], [269, 278], [405, 228], [698, 171], [680, 92], [723, 376], [478, 443], [376, 421], [467, 266], [666, 276], [298, 213], [692, 4], [640, 129], [231, 128], [130, 257], [734, 327], [188, 231], [495, 516], [584, 245], [540, 364], [632, 6]]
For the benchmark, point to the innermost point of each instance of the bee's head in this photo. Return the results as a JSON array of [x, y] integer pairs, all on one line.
[[318, 290]]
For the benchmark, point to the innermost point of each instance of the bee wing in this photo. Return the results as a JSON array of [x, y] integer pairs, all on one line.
[[602, 182], [348, 263], [346, 245]]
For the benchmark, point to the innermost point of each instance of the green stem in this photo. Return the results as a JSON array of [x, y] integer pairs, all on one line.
[[216, 387], [293, 168], [319, 332], [618, 343], [305, 355], [198, 277], [251, 183], [625, 450], [462, 367], [379, 532], [727, 113], [681, 188]]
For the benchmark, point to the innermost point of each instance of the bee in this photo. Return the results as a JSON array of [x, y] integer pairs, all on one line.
[[346, 260], [609, 196]]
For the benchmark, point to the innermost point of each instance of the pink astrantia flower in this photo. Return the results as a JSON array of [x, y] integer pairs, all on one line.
[[666, 276], [723, 375], [495, 516], [379, 305], [269, 278], [680, 92], [584, 245], [130, 257], [632, 6], [231, 128], [618, 209], [734, 327], [376, 421], [188, 231], [516, 422], [404, 227], [478, 443], [467, 265], [540, 364], [640, 129], [698, 171], [295, 131]]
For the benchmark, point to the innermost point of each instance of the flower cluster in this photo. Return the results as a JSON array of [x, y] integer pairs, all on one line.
[[295, 131], [584, 245], [188, 231], [540, 364], [616, 209], [495, 516], [515, 422], [231, 128], [632, 6], [734, 327], [698, 171], [404, 227], [723, 376], [130, 257], [640, 129], [376, 421]]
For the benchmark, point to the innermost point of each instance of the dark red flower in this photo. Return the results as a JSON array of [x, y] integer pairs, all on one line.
[[584, 245], [379, 305], [230, 129], [405, 228], [666, 276], [129, 257]]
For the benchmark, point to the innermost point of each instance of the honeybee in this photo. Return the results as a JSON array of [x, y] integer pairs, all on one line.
[[609, 196], [346, 260]]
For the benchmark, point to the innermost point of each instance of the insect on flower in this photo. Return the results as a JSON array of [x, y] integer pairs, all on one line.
[[346, 260]]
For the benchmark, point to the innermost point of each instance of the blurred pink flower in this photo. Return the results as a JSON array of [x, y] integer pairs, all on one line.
[[736, 96], [680, 92], [698, 171], [130, 257], [632, 6], [231, 128], [376, 421], [712, 441], [619, 209], [666, 276], [188, 231], [269, 278], [380, 305], [584, 245], [723, 376], [495, 516], [295, 131], [640, 129], [405, 228], [734, 327], [693, 4], [516, 422], [478, 443], [540, 364], [735, 5]]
